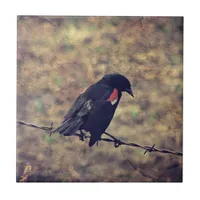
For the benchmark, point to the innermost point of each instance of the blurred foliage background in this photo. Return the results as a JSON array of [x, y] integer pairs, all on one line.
[[57, 57]]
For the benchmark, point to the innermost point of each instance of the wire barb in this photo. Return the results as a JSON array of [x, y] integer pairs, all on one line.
[[150, 149]]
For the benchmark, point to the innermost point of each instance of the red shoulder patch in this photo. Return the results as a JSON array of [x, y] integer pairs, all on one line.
[[113, 96]]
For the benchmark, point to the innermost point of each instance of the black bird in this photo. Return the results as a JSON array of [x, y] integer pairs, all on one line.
[[93, 110]]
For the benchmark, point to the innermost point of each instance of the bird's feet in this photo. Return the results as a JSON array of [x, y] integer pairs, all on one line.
[[82, 136], [117, 143]]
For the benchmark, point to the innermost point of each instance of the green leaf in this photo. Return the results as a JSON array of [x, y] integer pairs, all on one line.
[[100, 49], [58, 80], [135, 113], [154, 116], [48, 139], [178, 88], [134, 84], [92, 27], [38, 105]]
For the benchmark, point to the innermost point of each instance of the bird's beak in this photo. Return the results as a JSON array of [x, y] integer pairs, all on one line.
[[129, 91]]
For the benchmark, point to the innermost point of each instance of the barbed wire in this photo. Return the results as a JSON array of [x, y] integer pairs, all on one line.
[[45, 128], [117, 142]]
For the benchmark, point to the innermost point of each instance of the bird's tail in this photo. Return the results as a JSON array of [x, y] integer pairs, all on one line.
[[69, 127]]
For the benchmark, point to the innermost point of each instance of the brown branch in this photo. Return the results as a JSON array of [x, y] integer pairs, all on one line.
[[137, 168], [144, 33], [117, 142], [46, 19], [127, 27]]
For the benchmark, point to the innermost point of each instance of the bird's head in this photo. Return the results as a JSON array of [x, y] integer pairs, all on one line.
[[119, 82]]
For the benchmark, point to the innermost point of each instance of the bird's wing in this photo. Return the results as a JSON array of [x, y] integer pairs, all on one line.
[[75, 108], [94, 92]]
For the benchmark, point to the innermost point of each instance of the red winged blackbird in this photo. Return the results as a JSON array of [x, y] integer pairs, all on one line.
[[93, 110]]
